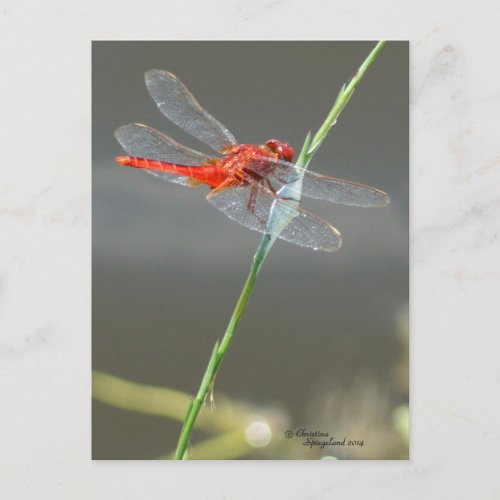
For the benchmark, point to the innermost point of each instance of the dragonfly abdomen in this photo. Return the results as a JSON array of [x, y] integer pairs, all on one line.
[[208, 174]]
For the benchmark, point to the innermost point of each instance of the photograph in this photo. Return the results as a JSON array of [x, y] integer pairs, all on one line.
[[250, 295]]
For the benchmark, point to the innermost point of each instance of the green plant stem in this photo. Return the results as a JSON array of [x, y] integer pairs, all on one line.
[[221, 349], [343, 98], [308, 150]]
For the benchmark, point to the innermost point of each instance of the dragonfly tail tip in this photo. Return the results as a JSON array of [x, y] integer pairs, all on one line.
[[122, 160]]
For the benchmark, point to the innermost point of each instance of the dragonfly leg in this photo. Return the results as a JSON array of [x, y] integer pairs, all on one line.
[[271, 188], [252, 201]]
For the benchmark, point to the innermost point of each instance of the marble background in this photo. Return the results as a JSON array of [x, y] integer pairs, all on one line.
[[45, 249]]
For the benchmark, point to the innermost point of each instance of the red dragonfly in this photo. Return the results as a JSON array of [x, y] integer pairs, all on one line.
[[248, 181]]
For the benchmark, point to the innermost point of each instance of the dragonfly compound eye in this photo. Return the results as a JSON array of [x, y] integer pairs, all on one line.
[[283, 149]]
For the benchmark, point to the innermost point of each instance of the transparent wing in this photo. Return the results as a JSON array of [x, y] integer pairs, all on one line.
[[180, 106], [146, 142], [252, 205], [317, 186], [176, 179]]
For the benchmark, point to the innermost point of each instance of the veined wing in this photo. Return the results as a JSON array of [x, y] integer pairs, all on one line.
[[180, 106], [251, 206], [146, 142], [317, 186]]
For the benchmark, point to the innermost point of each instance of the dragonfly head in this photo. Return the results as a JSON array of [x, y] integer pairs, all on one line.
[[282, 149]]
